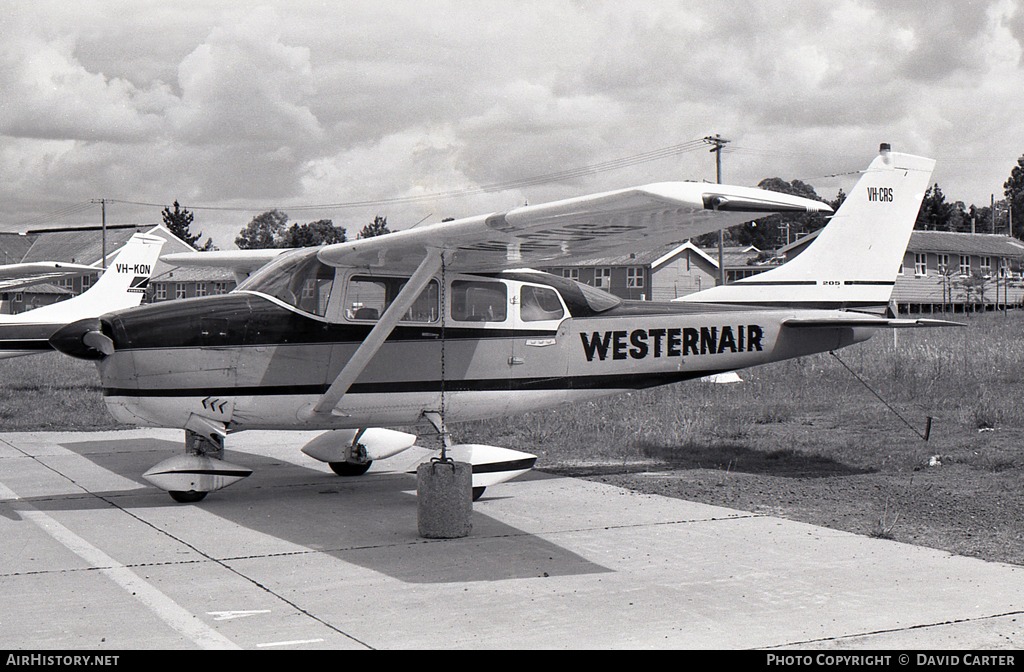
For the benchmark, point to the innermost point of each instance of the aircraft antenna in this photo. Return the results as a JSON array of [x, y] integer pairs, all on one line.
[[928, 423]]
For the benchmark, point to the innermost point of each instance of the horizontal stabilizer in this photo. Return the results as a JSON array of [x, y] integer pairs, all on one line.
[[853, 320]]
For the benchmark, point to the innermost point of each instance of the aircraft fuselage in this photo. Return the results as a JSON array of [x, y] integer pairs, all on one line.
[[252, 362]]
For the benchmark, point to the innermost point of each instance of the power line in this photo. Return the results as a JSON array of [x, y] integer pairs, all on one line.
[[592, 169], [547, 178]]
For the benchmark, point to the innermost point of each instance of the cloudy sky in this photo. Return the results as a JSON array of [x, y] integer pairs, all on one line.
[[431, 109]]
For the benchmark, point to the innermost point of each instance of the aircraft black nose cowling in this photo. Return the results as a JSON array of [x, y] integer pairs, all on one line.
[[84, 339]]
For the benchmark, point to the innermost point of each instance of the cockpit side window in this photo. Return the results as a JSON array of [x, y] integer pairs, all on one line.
[[479, 301], [300, 280]]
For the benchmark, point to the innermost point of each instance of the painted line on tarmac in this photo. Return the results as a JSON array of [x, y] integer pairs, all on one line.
[[294, 642], [166, 609]]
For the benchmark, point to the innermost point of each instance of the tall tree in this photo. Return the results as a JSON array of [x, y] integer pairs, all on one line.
[[320, 232], [378, 228], [1013, 189], [935, 214], [179, 222], [266, 230]]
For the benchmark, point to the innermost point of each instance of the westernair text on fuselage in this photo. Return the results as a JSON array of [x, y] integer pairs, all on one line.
[[670, 342]]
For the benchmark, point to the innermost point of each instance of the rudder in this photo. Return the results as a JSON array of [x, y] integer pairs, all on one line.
[[854, 260]]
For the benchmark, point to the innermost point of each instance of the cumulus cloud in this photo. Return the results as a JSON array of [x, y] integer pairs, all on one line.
[[51, 96]]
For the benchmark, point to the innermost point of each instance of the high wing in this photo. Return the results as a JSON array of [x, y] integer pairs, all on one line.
[[637, 218], [16, 276]]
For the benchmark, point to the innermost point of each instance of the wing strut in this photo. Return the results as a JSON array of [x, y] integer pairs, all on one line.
[[430, 265]]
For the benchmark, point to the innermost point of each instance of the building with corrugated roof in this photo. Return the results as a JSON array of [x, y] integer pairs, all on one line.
[[87, 246]]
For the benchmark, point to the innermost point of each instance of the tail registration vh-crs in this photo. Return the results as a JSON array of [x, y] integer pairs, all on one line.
[[441, 323]]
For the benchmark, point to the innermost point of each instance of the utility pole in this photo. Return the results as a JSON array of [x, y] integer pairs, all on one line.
[[719, 142], [103, 223]]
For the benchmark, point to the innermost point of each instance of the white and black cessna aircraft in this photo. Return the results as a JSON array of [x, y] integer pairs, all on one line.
[[121, 285], [440, 324]]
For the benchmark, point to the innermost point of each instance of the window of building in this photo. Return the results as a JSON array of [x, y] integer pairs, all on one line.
[[571, 273], [220, 288], [1004, 267], [635, 277], [986, 266], [603, 278], [943, 262], [965, 264], [200, 289], [920, 264], [179, 290], [161, 291]]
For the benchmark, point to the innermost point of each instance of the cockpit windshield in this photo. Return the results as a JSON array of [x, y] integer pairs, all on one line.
[[298, 278]]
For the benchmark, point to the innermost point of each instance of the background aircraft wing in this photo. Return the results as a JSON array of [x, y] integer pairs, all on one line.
[[242, 262], [638, 218], [16, 276]]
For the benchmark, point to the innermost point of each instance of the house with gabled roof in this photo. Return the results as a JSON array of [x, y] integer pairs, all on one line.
[[665, 273]]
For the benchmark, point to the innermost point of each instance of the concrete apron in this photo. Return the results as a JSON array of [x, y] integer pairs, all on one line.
[[444, 492]]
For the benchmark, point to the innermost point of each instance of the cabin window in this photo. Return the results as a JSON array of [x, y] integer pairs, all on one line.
[[367, 297], [479, 301], [539, 303]]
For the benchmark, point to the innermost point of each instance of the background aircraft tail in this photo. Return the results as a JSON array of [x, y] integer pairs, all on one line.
[[121, 286], [854, 260]]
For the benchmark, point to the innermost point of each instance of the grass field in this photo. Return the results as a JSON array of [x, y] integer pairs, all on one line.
[[804, 439]]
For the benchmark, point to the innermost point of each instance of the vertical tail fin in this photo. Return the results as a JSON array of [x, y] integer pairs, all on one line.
[[853, 261], [122, 284]]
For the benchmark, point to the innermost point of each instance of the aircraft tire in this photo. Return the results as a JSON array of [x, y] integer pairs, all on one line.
[[349, 468], [186, 496], [477, 492]]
